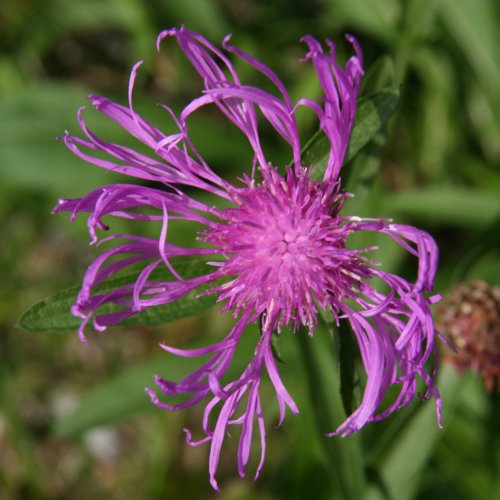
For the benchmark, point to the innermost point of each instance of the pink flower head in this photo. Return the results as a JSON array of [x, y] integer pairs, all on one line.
[[278, 252]]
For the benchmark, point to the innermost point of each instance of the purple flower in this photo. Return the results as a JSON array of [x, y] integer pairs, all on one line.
[[278, 253]]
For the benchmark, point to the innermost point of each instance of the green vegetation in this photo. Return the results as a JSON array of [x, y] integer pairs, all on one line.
[[74, 419]]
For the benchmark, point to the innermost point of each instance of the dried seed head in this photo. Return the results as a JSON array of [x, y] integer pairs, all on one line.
[[470, 317]]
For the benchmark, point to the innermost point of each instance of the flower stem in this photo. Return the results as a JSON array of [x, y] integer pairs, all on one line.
[[343, 455]]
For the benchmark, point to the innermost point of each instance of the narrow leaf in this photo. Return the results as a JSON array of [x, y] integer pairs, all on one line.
[[360, 177], [412, 448], [474, 26], [378, 76], [53, 314], [372, 114], [458, 206]]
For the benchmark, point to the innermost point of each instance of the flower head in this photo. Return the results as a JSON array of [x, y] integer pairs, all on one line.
[[277, 251], [470, 316]]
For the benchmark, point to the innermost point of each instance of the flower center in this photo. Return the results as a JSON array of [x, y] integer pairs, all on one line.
[[284, 244]]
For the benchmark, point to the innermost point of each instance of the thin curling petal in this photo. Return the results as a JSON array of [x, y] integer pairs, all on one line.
[[216, 71], [341, 87], [276, 248]]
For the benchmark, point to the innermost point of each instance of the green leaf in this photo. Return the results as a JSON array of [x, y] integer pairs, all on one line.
[[378, 76], [53, 314], [372, 114], [411, 449], [474, 26], [362, 173], [457, 206]]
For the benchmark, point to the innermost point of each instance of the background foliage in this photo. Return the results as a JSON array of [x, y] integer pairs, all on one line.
[[74, 420]]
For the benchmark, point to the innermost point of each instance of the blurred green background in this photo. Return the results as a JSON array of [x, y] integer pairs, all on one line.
[[74, 420]]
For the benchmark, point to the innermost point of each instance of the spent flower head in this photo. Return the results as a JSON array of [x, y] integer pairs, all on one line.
[[470, 317], [276, 245]]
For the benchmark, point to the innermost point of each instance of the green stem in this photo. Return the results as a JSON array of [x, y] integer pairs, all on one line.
[[343, 455]]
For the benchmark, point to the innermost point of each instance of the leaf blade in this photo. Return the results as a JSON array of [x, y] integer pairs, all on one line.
[[53, 314], [372, 114], [467, 207]]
